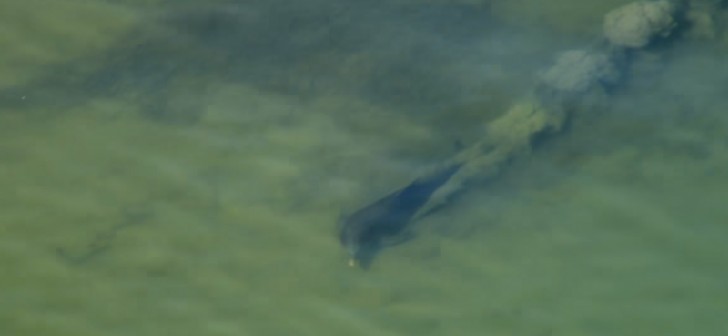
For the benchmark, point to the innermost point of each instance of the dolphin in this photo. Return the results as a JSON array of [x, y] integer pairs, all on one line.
[[385, 221]]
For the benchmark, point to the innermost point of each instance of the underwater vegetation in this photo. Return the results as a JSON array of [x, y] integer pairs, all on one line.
[[173, 55]]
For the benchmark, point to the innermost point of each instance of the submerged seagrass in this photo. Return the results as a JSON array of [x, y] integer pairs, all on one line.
[[385, 222]]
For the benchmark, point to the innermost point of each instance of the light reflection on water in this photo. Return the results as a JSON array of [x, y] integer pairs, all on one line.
[[180, 168]]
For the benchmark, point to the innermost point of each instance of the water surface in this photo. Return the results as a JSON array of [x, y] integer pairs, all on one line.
[[178, 167]]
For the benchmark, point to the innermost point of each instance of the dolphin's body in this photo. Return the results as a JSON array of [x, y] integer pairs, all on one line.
[[382, 223]]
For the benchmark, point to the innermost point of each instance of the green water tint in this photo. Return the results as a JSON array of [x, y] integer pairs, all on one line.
[[221, 220]]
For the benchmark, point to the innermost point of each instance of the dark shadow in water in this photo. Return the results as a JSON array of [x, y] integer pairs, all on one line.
[[103, 240], [395, 55]]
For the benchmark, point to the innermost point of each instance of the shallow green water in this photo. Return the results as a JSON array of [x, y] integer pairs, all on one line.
[[177, 168]]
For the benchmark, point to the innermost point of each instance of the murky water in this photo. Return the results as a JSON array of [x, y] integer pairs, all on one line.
[[174, 167]]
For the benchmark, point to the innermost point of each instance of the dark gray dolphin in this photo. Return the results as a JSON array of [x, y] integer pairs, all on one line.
[[385, 222]]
